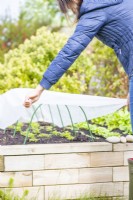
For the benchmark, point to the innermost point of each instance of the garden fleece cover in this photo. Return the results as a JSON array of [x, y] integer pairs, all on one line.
[[61, 109]]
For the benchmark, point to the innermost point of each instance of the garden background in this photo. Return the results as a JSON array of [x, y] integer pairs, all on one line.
[[30, 41]]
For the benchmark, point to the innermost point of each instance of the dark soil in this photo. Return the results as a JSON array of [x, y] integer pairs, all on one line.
[[7, 138]]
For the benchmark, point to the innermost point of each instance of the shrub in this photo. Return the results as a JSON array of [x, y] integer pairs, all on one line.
[[97, 70], [109, 78], [33, 15], [24, 66]]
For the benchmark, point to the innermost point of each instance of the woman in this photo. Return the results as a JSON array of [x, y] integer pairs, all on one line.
[[111, 21]]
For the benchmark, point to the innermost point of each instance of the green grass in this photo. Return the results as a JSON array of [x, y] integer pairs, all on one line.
[[8, 194], [86, 197]]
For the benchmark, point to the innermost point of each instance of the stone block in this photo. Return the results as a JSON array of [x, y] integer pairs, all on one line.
[[120, 198], [106, 159], [123, 147], [55, 148], [36, 193], [20, 179], [72, 160], [120, 174], [55, 177], [128, 154], [95, 175], [20, 163], [126, 188], [78, 190]]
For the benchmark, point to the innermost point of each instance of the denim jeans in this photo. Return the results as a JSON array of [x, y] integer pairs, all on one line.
[[131, 99]]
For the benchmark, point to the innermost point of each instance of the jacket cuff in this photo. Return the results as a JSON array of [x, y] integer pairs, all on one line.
[[45, 83]]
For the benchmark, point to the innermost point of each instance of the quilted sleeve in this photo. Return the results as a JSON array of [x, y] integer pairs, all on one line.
[[88, 26]]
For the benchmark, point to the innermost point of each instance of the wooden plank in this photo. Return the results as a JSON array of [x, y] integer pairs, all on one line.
[[106, 159], [95, 175], [71, 160], [55, 148], [1, 163], [34, 192], [120, 174], [123, 147], [20, 163], [126, 188], [20, 179], [76, 190], [127, 155], [55, 177]]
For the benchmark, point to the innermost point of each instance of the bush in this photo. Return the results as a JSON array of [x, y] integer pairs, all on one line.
[[110, 78], [33, 15], [24, 66], [96, 71]]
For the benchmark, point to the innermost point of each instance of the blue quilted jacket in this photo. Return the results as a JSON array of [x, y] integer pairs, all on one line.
[[111, 21]]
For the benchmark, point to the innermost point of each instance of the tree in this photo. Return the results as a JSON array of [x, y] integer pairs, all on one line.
[[34, 14]]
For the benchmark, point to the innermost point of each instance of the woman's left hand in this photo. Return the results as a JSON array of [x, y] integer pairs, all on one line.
[[33, 96]]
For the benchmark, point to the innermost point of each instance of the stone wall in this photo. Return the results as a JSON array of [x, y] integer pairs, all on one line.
[[67, 170]]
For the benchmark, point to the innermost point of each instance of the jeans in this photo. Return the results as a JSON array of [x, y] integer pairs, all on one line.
[[131, 100]]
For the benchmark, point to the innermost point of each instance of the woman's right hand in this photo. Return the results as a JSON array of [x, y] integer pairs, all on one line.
[[33, 96]]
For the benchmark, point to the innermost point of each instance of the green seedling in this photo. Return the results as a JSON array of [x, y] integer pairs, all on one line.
[[44, 135], [67, 135]]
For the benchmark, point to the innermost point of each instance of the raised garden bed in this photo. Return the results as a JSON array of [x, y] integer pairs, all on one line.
[[43, 133], [97, 130], [67, 170], [79, 163]]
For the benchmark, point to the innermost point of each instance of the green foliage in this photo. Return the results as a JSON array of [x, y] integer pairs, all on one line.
[[33, 15], [13, 33], [101, 131], [19, 126], [8, 194], [35, 127], [118, 120], [108, 125], [42, 12], [33, 139], [24, 66], [49, 128], [31, 136], [96, 71], [85, 196], [33, 133], [44, 135], [56, 133], [110, 78], [97, 130], [67, 135]]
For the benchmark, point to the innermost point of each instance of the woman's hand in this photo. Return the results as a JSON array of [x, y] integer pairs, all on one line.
[[33, 96]]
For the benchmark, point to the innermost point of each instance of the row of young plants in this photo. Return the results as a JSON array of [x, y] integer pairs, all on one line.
[[113, 124]]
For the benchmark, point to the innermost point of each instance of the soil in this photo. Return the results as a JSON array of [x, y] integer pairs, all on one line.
[[7, 137]]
